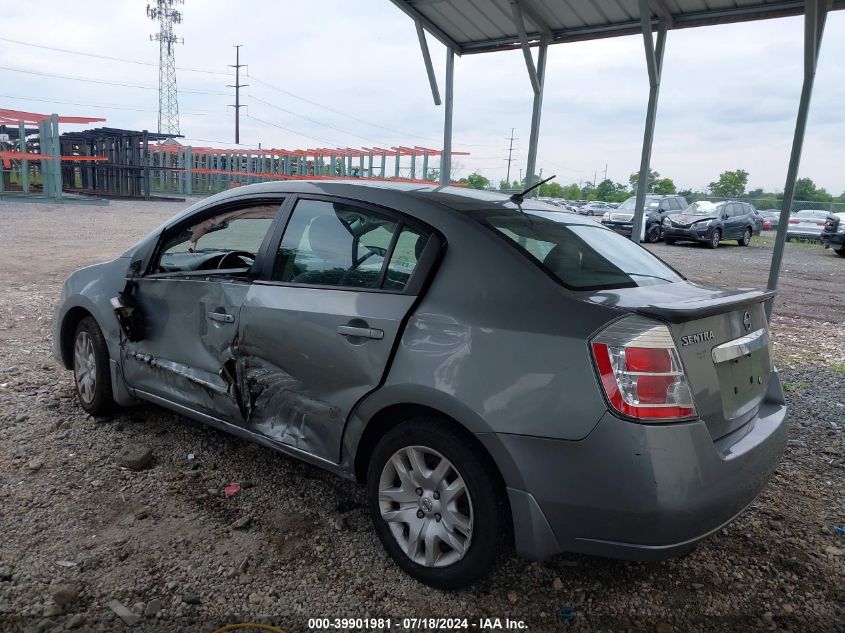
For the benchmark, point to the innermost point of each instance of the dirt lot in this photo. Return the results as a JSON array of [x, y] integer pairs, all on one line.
[[80, 532]]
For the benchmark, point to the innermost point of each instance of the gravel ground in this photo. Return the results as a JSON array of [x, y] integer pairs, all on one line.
[[80, 531]]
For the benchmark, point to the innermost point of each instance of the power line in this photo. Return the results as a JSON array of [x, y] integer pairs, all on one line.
[[108, 57], [108, 106], [315, 121], [287, 129], [102, 81], [338, 112]]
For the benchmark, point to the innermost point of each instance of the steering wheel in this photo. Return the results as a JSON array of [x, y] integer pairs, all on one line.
[[241, 254]]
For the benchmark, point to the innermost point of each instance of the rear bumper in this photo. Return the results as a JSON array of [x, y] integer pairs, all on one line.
[[800, 235], [691, 234], [637, 491], [625, 228], [833, 240]]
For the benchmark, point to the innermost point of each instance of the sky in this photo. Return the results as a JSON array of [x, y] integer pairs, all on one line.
[[335, 72]]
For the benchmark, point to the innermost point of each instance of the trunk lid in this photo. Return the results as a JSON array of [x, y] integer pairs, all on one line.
[[722, 337]]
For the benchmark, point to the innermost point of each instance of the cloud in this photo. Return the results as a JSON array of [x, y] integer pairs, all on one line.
[[729, 94]]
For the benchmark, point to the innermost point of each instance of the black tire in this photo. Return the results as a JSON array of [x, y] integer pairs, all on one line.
[[840, 251], [668, 240], [746, 238], [98, 400], [485, 496], [715, 239], [652, 234]]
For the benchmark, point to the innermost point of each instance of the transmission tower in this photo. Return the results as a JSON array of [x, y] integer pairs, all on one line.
[[166, 15]]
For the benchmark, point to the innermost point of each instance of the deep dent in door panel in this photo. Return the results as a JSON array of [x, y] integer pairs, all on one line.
[[279, 406]]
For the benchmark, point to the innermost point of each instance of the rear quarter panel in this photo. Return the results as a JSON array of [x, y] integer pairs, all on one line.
[[497, 344]]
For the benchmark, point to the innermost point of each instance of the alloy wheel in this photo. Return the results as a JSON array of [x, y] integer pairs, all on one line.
[[426, 504], [715, 238], [85, 367]]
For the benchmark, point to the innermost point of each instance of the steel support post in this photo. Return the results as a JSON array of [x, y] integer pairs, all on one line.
[[370, 165], [425, 165], [57, 157], [189, 171], [360, 166], [396, 162], [383, 164], [146, 160], [446, 157], [654, 64], [815, 14], [24, 162], [534, 136], [413, 165]]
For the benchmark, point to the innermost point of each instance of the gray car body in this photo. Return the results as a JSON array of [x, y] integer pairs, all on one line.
[[501, 349]]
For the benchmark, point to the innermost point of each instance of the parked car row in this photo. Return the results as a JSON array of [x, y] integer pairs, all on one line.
[[657, 207], [710, 223]]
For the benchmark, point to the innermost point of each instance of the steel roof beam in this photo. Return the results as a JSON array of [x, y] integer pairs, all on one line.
[[654, 64], [526, 48], [406, 7], [815, 16], [429, 67]]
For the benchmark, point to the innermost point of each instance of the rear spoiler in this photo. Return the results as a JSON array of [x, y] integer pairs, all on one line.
[[692, 310]]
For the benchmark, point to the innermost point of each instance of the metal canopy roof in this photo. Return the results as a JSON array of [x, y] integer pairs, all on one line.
[[476, 26]]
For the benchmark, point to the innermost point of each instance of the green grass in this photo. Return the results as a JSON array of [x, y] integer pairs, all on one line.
[[838, 368], [795, 387]]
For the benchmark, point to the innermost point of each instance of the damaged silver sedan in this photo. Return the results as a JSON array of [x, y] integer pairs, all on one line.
[[492, 370]]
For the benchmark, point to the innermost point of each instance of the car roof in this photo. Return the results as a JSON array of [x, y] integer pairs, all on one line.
[[386, 193]]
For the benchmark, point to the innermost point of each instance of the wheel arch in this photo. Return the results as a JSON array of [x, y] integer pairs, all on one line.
[[70, 322]]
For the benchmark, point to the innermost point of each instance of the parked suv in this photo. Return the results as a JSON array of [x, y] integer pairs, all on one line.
[[833, 233], [657, 207], [385, 332], [712, 222]]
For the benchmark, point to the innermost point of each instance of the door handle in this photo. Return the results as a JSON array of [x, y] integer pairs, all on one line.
[[362, 332], [221, 316]]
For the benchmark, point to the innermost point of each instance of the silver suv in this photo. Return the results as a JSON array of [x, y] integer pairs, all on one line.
[[488, 371]]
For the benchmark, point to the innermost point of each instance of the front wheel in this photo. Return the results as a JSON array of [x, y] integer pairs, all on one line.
[[652, 234], [91, 372], [746, 238], [715, 239], [436, 503]]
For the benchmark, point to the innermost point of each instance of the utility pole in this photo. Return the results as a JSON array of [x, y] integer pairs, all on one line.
[[605, 172], [168, 105], [238, 85], [510, 159]]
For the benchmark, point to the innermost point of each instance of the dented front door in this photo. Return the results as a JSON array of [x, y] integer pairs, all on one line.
[[189, 352]]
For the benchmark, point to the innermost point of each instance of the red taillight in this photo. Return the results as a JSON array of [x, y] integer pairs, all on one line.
[[820, 223], [641, 372], [795, 221]]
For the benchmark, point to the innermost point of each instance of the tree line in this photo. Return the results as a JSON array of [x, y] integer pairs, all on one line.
[[730, 184]]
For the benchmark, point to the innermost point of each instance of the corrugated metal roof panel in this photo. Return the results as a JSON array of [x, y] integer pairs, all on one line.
[[475, 26]]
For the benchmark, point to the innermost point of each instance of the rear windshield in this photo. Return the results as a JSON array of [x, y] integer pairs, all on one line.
[[580, 256]]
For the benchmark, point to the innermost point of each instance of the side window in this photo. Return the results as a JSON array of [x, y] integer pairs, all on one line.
[[225, 241], [337, 244], [406, 254]]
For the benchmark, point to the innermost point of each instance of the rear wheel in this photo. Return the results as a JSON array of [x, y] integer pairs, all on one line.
[[746, 238], [436, 503], [840, 251], [715, 239], [91, 372], [652, 234]]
